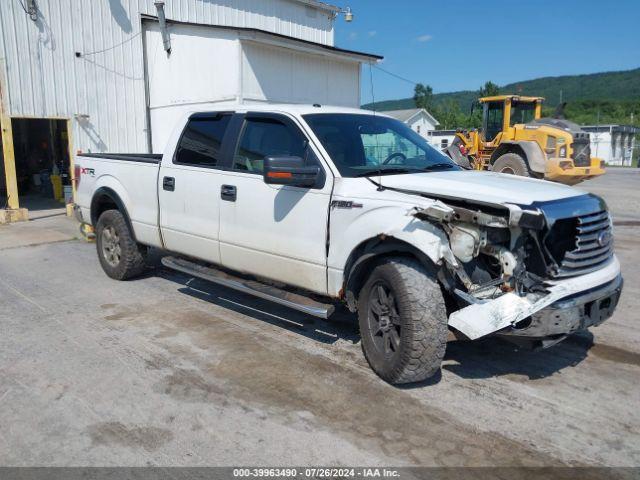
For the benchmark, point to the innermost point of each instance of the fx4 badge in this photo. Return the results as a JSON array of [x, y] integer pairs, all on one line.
[[345, 204]]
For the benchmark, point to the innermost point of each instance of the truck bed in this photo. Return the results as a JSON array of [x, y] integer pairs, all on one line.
[[131, 177]]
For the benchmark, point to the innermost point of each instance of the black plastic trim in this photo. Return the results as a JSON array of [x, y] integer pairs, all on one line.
[[113, 196], [126, 157]]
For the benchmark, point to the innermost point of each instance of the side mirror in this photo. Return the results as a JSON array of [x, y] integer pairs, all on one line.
[[290, 171]]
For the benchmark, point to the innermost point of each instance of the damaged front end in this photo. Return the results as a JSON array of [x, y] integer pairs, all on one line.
[[538, 272]]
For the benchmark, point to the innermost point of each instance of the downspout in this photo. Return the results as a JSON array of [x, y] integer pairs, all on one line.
[[166, 41]]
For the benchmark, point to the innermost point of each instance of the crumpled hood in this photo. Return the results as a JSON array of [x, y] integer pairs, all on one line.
[[488, 187]]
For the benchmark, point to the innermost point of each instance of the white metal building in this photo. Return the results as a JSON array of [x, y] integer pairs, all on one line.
[[101, 70], [614, 144], [440, 139], [418, 119]]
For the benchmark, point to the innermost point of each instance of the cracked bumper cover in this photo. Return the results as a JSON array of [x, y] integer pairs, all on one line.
[[570, 305]]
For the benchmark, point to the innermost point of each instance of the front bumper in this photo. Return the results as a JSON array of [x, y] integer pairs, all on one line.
[[509, 310], [572, 175], [571, 314]]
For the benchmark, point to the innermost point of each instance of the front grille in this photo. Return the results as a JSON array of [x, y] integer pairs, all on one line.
[[581, 150], [591, 247]]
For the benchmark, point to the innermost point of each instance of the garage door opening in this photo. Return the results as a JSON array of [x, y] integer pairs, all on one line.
[[41, 150]]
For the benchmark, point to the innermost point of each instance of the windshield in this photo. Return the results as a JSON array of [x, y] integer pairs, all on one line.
[[522, 112], [361, 145]]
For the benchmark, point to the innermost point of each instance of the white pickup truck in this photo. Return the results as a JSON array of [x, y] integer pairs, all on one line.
[[309, 206]]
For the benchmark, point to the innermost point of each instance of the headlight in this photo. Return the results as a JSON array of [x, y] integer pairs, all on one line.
[[551, 145], [563, 151]]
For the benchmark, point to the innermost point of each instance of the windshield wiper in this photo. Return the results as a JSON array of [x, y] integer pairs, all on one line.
[[384, 171], [438, 166]]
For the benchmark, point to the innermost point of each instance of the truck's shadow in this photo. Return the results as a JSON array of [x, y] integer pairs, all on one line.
[[342, 325], [491, 357]]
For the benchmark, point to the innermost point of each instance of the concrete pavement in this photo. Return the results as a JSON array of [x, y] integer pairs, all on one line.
[[166, 370]]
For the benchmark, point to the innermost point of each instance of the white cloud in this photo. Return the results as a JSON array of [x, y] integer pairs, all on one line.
[[424, 38], [372, 33]]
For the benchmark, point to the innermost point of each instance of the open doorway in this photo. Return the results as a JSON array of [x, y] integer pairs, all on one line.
[[41, 149]]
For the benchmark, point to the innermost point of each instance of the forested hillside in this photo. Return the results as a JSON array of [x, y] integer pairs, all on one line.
[[609, 97]]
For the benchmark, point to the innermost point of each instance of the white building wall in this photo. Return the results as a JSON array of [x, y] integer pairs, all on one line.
[[233, 69], [440, 139], [43, 77], [283, 75], [614, 147], [421, 125]]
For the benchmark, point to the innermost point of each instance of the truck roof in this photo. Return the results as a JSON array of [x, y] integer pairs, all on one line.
[[294, 108]]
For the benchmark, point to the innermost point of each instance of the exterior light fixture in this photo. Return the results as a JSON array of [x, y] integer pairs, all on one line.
[[348, 14]]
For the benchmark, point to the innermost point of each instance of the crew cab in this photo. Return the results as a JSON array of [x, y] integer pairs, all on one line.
[[313, 206]]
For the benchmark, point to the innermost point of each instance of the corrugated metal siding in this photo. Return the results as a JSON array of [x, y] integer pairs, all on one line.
[[45, 79], [284, 75]]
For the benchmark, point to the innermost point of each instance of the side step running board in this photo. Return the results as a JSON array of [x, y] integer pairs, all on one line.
[[257, 289]]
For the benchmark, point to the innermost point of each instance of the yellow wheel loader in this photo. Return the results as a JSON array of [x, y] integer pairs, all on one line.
[[515, 139]]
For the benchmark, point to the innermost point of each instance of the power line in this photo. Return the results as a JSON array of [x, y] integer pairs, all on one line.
[[23, 7], [80, 54], [395, 75]]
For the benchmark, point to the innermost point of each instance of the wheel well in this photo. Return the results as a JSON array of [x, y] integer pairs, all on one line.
[[367, 255], [106, 199]]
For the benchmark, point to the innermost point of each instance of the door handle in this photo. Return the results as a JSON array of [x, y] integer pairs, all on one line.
[[228, 193], [169, 184]]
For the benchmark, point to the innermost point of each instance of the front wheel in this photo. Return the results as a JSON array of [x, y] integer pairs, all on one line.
[[513, 164], [120, 256], [403, 321]]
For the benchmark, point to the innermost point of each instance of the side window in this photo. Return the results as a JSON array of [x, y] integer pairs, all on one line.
[[266, 137], [201, 141]]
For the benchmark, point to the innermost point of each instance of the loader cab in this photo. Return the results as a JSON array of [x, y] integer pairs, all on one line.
[[502, 112]]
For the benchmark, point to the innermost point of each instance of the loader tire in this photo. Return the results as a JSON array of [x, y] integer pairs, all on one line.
[[513, 164], [120, 256], [403, 321]]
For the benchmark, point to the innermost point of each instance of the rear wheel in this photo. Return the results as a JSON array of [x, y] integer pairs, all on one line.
[[120, 256], [513, 164], [403, 321]]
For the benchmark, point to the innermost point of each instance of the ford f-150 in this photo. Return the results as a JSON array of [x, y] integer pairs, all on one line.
[[310, 206]]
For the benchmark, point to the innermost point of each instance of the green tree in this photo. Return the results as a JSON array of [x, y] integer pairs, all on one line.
[[449, 115], [423, 97], [489, 89]]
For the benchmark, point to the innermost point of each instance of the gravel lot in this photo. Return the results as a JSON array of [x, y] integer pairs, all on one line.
[[166, 370]]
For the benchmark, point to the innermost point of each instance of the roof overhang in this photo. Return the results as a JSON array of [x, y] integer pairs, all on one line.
[[285, 41], [320, 5]]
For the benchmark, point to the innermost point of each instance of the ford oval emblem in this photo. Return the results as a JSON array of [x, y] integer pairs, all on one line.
[[604, 237]]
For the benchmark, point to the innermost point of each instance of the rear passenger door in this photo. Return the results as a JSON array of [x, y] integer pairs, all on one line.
[[274, 231], [189, 188]]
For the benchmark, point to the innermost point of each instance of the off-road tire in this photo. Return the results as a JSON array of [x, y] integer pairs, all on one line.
[[513, 164], [422, 321], [132, 259]]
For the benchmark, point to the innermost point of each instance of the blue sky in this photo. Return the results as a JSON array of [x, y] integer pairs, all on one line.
[[458, 45]]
